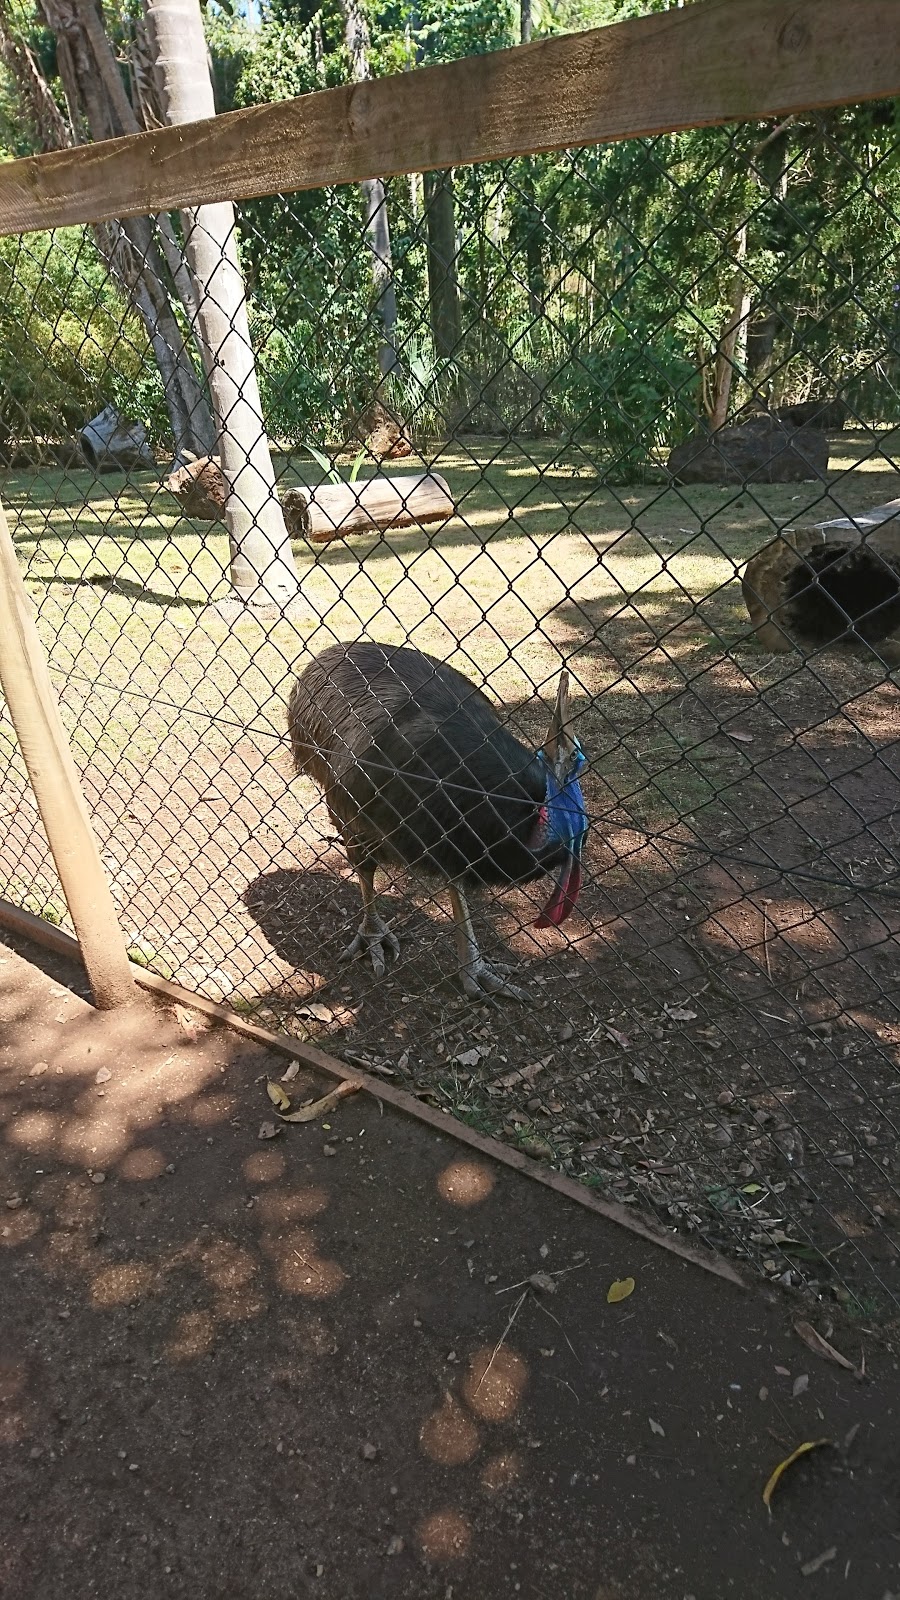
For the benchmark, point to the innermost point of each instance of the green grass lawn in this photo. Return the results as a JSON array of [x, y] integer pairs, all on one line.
[[539, 564]]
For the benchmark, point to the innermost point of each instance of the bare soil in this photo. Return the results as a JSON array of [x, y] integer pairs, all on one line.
[[313, 1365]]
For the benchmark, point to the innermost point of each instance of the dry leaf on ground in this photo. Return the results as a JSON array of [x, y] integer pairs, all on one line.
[[319, 1108], [820, 1346], [774, 1480], [277, 1096], [620, 1290], [809, 1567]]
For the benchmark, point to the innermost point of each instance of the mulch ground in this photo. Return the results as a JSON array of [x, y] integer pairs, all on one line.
[[314, 1365]]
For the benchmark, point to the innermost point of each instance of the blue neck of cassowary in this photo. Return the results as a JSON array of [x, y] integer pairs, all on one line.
[[564, 818]]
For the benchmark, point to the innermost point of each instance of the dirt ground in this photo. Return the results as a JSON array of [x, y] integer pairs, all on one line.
[[314, 1366]]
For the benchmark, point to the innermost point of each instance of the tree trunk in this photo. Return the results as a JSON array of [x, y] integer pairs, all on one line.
[[770, 166], [734, 330], [443, 283], [91, 83], [127, 248], [262, 563], [378, 228], [525, 21]]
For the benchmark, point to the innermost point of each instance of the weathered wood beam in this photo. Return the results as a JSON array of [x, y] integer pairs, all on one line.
[[716, 62]]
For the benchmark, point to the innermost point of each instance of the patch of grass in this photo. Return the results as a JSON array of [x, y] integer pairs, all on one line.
[[636, 587], [152, 960]]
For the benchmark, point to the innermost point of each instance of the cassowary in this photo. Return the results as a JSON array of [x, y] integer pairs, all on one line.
[[416, 768]]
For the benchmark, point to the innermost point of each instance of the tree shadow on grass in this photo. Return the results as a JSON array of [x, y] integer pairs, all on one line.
[[123, 586]]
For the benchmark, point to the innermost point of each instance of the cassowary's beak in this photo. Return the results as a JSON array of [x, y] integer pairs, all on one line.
[[564, 897]]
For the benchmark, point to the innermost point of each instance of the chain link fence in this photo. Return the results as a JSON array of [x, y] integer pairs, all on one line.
[[556, 343]]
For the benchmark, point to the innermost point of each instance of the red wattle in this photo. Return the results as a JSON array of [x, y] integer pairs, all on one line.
[[563, 900]]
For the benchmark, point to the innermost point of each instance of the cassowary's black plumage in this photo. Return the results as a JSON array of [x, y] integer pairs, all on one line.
[[416, 768]]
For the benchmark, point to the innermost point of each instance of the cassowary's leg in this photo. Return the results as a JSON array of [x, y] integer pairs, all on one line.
[[374, 937], [478, 979]]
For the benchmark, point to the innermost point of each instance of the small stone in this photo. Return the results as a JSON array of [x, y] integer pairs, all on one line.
[[35, 1452], [843, 1160], [395, 1545], [544, 1282], [725, 1098], [721, 1137], [630, 1461], [98, 1177], [103, 1075], [268, 1130], [38, 1070], [14, 1202], [544, 1251], [329, 1150], [369, 1452], [170, 1168]]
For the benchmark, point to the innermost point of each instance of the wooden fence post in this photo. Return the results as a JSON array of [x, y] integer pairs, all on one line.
[[25, 680]]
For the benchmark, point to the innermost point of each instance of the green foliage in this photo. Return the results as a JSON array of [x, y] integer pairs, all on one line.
[[67, 345], [594, 286]]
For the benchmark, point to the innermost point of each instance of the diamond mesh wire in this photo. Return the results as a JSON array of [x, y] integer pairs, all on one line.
[[714, 1033]]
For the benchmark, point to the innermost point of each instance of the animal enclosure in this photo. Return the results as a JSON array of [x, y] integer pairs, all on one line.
[[636, 367]]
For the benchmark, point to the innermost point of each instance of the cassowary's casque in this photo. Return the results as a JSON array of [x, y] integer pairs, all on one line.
[[417, 768]]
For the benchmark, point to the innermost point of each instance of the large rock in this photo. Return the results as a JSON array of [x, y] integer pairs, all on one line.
[[110, 444], [199, 487], [828, 415], [760, 450]]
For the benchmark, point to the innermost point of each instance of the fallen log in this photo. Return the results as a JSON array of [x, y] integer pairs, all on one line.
[[334, 510], [834, 583], [329, 511]]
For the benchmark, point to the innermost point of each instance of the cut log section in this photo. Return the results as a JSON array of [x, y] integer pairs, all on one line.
[[835, 583], [334, 510]]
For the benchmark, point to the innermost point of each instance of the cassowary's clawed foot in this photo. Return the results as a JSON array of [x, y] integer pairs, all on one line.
[[482, 982], [375, 940]]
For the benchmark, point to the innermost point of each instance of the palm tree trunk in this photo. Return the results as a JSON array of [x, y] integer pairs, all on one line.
[[262, 563], [378, 228]]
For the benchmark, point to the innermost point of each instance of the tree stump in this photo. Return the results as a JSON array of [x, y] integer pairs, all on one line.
[[838, 583], [200, 489]]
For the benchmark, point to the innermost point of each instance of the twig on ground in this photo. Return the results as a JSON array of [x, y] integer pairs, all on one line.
[[498, 1346], [561, 1329]]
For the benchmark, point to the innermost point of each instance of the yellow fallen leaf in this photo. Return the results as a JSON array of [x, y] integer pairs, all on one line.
[[277, 1096], [319, 1108], [620, 1290], [801, 1450]]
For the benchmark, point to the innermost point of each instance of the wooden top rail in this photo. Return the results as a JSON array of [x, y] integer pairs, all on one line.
[[715, 62]]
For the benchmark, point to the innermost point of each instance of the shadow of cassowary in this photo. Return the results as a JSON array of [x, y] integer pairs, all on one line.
[[417, 769]]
